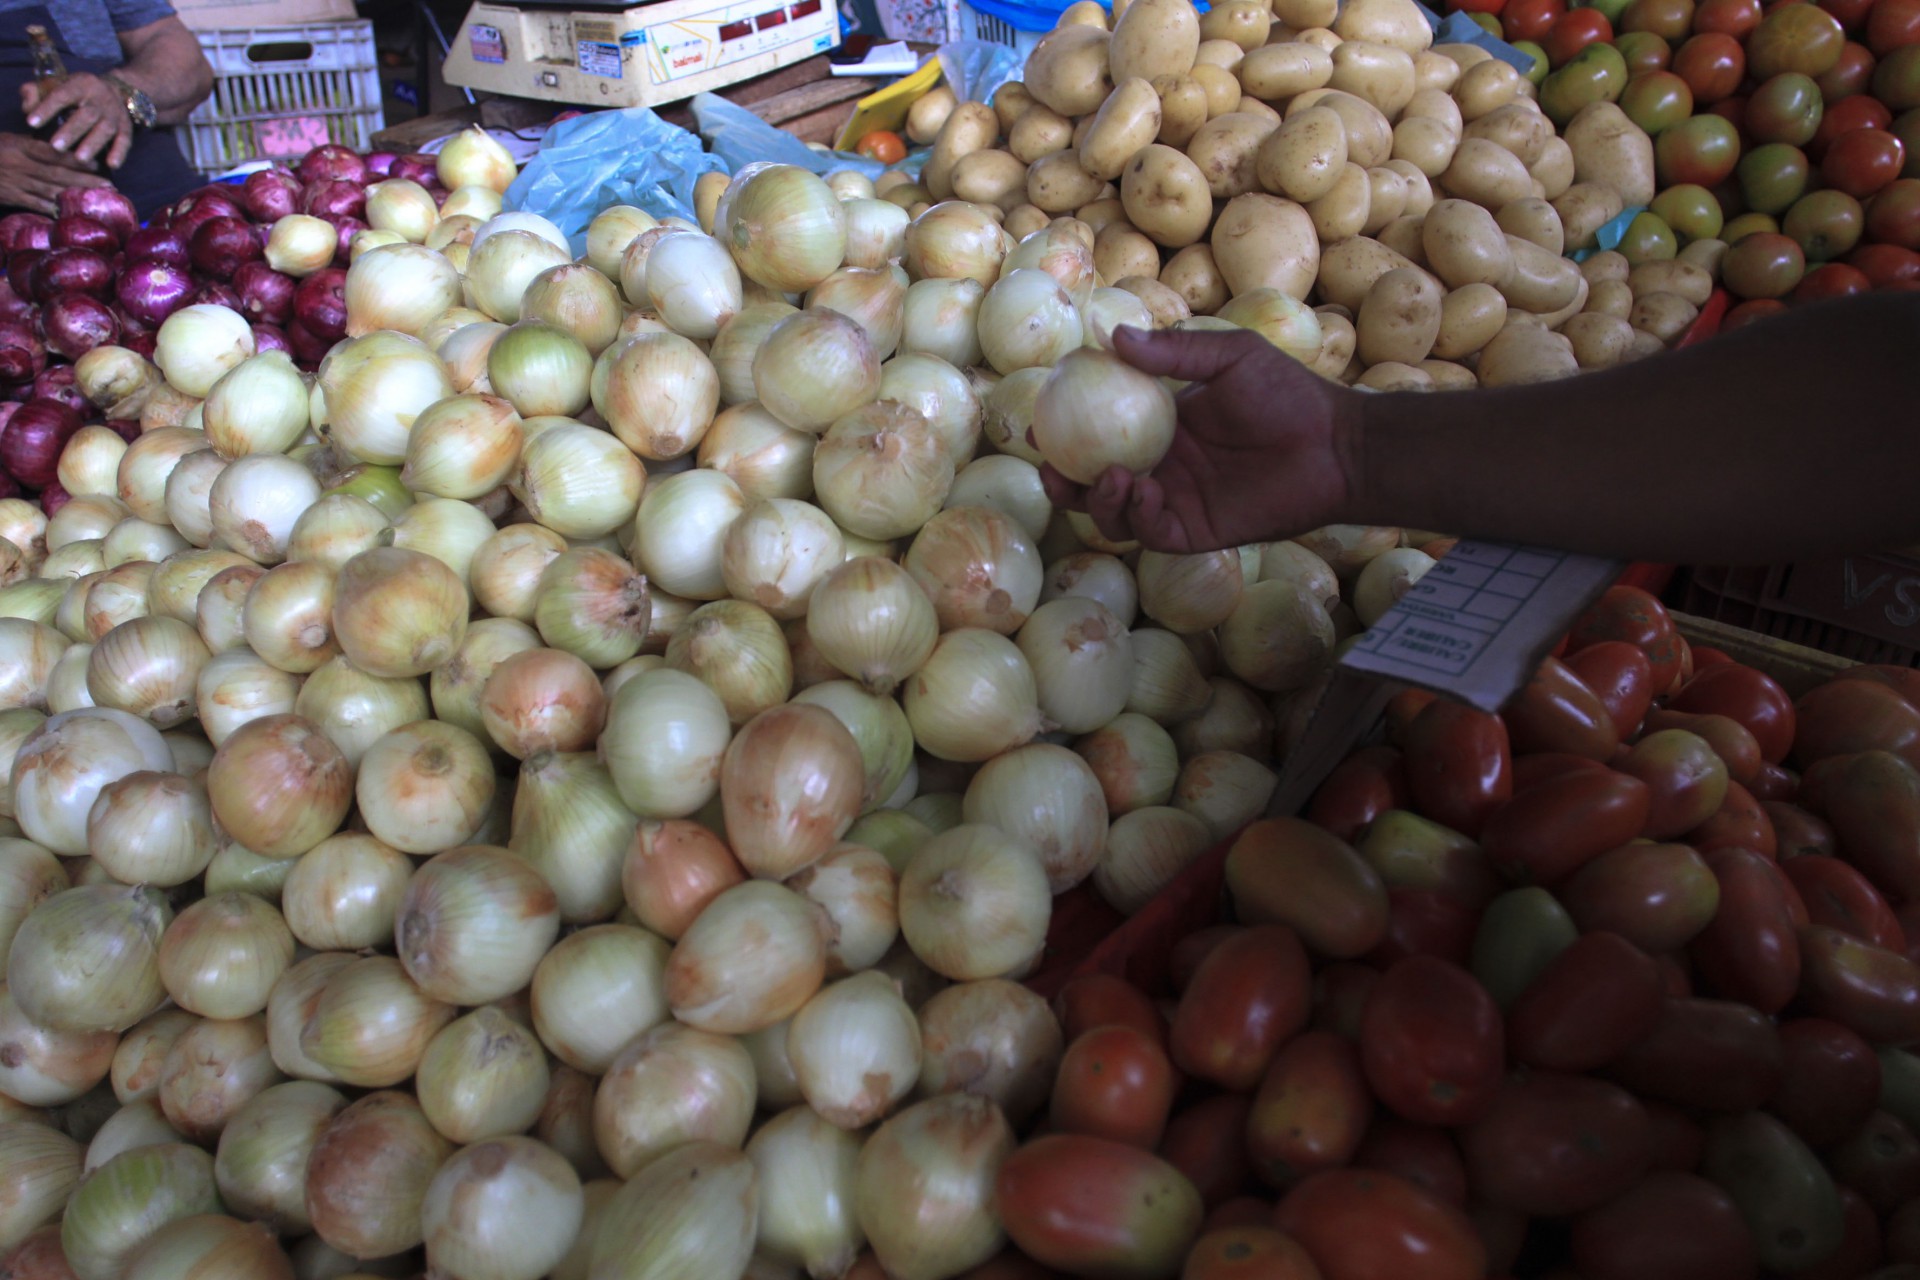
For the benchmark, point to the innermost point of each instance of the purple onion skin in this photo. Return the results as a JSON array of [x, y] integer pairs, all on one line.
[[320, 305], [308, 348], [127, 429], [9, 487], [20, 264], [152, 291], [221, 246], [54, 497], [334, 198], [347, 229], [266, 296], [22, 354], [380, 163], [13, 307], [217, 293], [78, 232], [11, 406], [55, 382], [270, 337], [422, 169], [332, 162], [31, 444], [102, 204], [75, 324], [271, 195], [71, 271], [158, 244], [26, 231], [141, 344]]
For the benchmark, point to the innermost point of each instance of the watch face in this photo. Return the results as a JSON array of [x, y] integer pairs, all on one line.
[[141, 108]]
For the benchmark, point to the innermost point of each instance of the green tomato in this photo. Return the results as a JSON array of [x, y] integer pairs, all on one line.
[[1613, 9], [1772, 176], [1488, 23], [1520, 933], [1691, 210], [1748, 224], [1541, 66], [1596, 74], [1649, 239]]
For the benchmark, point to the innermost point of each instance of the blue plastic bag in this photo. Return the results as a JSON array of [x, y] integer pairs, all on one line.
[[973, 69], [604, 158], [738, 138], [1458, 28]]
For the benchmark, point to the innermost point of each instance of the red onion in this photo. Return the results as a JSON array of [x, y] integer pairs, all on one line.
[[26, 231], [12, 305], [22, 354], [157, 244], [270, 195], [56, 382], [348, 228], [417, 168], [20, 265], [152, 291], [269, 337], [334, 198], [142, 344], [127, 429], [30, 446], [9, 487], [202, 206], [308, 347], [71, 271], [84, 233], [105, 206], [332, 162], [222, 245], [7, 409], [75, 324], [380, 164], [217, 293], [54, 497], [265, 294], [320, 305]]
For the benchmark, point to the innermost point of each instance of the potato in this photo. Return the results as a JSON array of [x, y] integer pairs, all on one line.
[[1425, 143], [1240, 22], [1222, 89], [1155, 38], [1584, 208], [1419, 190], [1469, 317], [1610, 297], [1193, 274], [1165, 306], [1398, 23], [1058, 184], [1554, 169], [970, 127], [1081, 128], [1342, 212], [1252, 106], [1221, 53], [1599, 341], [1465, 245], [1448, 376], [1040, 131], [1302, 101], [1010, 101], [1517, 319], [1486, 173], [1102, 213], [1225, 150], [1464, 56], [1086, 13], [1068, 70], [1432, 104], [1386, 200], [1276, 72], [1369, 135], [1705, 254], [1262, 241], [1337, 341], [1127, 121], [1518, 126], [1664, 315], [1391, 375], [1120, 252], [1485, 87], [1349, 268], [1165, 195], [991, 177], [1533, 219], [1540, 281], [1689, 280], [1434, 71], [1024, 219], [1304, 15], [1613, 151], [1183, 108], [1606, 264], [1377, 73], [1318, 37], [1400, 317], [1402, 235], [928, 112], [1521, 354], [1644, 345], [1304, 157]]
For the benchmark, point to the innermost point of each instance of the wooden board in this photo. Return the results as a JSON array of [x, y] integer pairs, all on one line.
[[1796, 667]]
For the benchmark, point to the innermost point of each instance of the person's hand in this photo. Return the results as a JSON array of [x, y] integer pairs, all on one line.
[[99, 126], [1265, 448], [33, 174]]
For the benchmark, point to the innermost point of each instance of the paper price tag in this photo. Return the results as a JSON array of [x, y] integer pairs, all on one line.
[[282, 139]]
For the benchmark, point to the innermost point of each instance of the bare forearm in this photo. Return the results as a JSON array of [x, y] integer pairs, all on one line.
[[169, 66], [1794, 437]]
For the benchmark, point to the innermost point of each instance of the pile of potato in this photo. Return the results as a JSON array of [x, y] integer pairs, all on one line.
[[1414, 192]]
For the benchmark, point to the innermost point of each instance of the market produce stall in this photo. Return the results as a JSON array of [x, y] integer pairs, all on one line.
[[532, 754]]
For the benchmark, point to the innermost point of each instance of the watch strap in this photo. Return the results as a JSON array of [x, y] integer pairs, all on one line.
[[139, 105]]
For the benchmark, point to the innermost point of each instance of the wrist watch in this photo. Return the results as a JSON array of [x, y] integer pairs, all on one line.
[[139, 105]]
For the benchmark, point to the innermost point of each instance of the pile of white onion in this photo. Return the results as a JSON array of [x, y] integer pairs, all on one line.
[[574, 788]]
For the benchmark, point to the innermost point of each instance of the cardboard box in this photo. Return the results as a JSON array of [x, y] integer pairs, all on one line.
[[211, 15]]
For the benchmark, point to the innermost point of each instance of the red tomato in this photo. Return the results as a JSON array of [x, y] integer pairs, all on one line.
[[1893, 216], [1904, 681], [1545, 766], [1860, 1249], [1593, 1002], [1556, 711], [1797, 832], [1845, 716], [1312, 1109], [1677, 1142], [1880, 1161], [1637, 617], [1556, 1145], [1425, 922], [1431, 1043], [1785, 109], [1459, 767], [1841, 898], [1669, 1226], [1763, 265], [1736, 18], [1740, 824], [1830, 1081], [1713, 66], [1656, 896], [1714, 1055], [1857, 112], [1850, 14], [882, 145], [1883, 264], [1361, 788], [1249, 996], [1100, 1000], [1738, 749], [1208, 1142], [1685, 777], [1870, 989], [1862, 161], [1749, 951], [1753, 698], [1775, 782], [1621, 677], [1423, 1154], [1402, 709], [1241, 1211], [1409, 852], [1573, 31], [1288, 871], [1089, 1206], [1891, 24], [1549, 831], [1183, 961], [1115, 1083], [1252, 1253], [1851, 75], [1872, 801], [1668, 19], [1744, 314], [1831, 280], [1363, 1225], [1340, 995], [1530, 19], [1795, 37]]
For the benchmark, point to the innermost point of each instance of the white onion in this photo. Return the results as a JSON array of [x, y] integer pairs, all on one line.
[[806, 1171], [673, 870], [483, 1076], [995, 1039], [979, 568], [737, 342], [1192, 593], [1236, 719], [1046, 797], [59, 771], [855, 1050], [814, 368], [31, 650], [462, 447], [39, 1167], [568, 823], [368, 1024], [43, 1067], [658, 394], [879, 728], [690, 1213], [785, 226], [473, 924], [775, 553], [881, 471], [941, 318], [594, 605], [693, 284], [211, 1071], [221, 956], [138, 1124], [120, 1205], [197, 344], [1225, 790], [1146, 849], [1168, 685], [579, 482], [973, 698], [974, 903], [1008, 485], [873, 622], [279, 786], [924, 1186], [681, 530], [254, 502], [28, 876], [790, 786], [142, 1053], [609, 234], [397, 612], [597, 990], [871, 299], [506, 568], [666, 734], [343, 894], [399, 286], [1278, 638], [90, 461], [369, 1173], [955, 240], [1134, 760], [1028, 321], [1097, 411], [504, 260], [300, 245], [753, 957], [1082, 660], [738, 651], [354, 710], [670, 1086], [376, 387], [505, 1209]]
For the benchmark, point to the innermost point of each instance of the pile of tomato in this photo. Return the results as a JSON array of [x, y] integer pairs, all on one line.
[[1616, 985], [1790, 130]]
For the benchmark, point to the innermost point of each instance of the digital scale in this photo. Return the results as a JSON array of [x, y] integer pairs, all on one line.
[[613, 53]]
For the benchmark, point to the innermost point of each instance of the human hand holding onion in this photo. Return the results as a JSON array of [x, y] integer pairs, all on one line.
[[1262, 448]]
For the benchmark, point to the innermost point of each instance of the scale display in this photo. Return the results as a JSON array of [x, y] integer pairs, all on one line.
[[692, 45]]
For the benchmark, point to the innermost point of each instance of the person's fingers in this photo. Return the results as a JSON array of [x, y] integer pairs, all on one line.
[[78, 125], [1153, 523], [1107, 503], [122, 145], [1188, 354], [100, 137], [66, 95], [1062, 492]]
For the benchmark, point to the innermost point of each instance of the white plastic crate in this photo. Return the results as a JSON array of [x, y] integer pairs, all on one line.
[[279, 92]]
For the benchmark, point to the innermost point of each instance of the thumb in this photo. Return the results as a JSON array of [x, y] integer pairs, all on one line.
[[1190, 355]]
